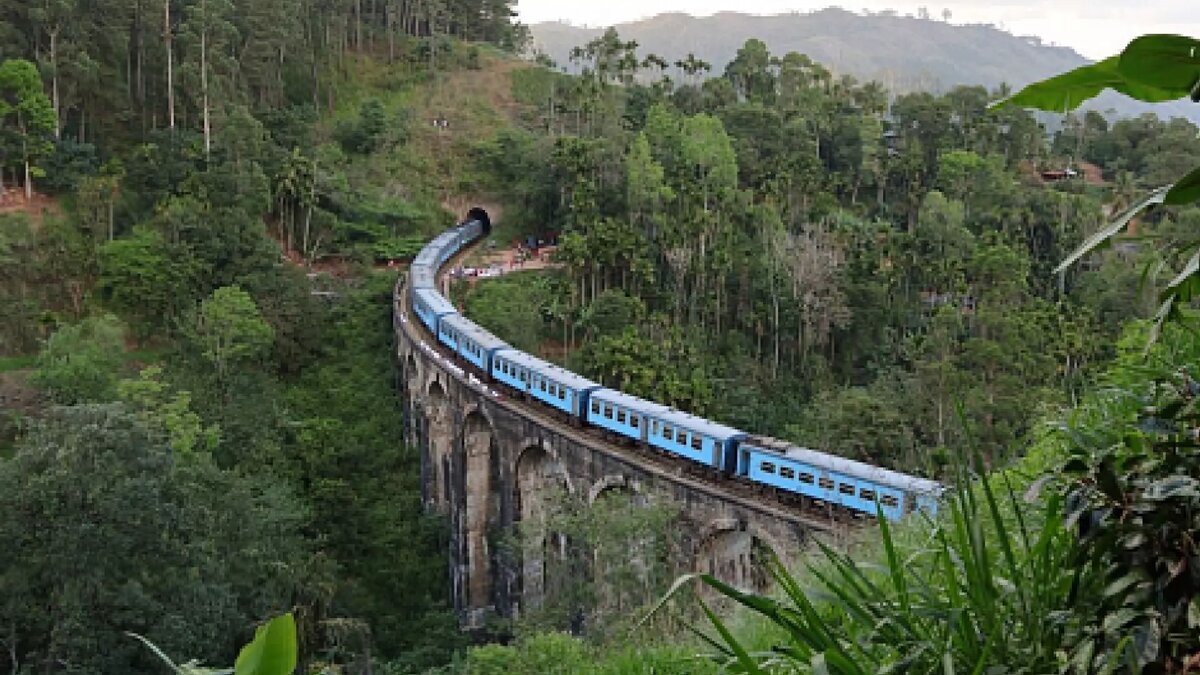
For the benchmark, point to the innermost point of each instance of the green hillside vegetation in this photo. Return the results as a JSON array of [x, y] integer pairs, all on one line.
[[198, 432], [196, 228]]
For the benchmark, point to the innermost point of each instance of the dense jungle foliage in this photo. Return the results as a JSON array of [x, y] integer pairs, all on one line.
[[796, 253], [197, 433], [198, 427]]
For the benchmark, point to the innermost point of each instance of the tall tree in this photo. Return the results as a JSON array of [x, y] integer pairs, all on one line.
[[27, 119]]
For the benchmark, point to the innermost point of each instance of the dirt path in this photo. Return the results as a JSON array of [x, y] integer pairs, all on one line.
[[12, 200]]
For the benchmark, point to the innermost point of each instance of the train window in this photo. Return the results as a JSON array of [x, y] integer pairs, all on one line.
[[654, 426], [621, 416], [846, 489], [542, 384], [867, 494], [697, 442], [681, 437], [595, 408], [806, 478], [888, 500], [608, 411], [786, 472], [825, 483], [667, 433], [524, 376], [634, 421], [767, 467]]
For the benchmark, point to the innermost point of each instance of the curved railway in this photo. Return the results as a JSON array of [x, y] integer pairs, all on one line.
[[744, 469]]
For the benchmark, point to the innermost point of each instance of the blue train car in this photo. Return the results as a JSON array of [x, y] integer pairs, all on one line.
[[422, 275], [429, 306], [837, 480], [449, 328], [470, 231], [477, 345], [621, 413], [695, 438], [544, 381]]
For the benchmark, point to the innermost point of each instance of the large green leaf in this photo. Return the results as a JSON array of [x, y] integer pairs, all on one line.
[[1168, 62], [1100, 238], [1065, 92], [1172, 487], [273, 650], [1186, 190]]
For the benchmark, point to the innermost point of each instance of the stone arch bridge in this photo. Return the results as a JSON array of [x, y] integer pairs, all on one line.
[[490, 461]]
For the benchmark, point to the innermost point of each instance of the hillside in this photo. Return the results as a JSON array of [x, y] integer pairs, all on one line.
[[901, 52]]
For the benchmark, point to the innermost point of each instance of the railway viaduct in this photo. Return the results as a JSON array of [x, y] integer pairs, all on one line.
[[490, 461]]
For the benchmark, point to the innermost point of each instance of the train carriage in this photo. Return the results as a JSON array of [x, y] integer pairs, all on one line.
[[837, 480], [477, 345], [695, 438], [621, 413], [422, 275], [448, 330], [430, 306], [544, 381]]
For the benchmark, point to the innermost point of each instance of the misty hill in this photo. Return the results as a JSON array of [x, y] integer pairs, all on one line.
[[903, 53]]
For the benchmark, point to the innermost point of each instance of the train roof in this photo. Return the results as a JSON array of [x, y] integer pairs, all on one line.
[[434, 301], [475, 332], [545, 368], [699, 425], [849, 467], [429, 254], [630, 402], [422, 276]]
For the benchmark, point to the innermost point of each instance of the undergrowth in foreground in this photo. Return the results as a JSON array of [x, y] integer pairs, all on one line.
[[1083, 570]]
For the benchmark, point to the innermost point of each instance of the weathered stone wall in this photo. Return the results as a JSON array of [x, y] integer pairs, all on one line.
[[490, 460]]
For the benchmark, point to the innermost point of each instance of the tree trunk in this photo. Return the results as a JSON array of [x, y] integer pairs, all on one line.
[[389, 10], [358, 25], [204, 85], [170, 71], [54, 82]]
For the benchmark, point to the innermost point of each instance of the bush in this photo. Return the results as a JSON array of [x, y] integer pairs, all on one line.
[[79, 363]]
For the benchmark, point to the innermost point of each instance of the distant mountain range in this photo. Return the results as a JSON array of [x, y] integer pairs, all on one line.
[[901, 52]]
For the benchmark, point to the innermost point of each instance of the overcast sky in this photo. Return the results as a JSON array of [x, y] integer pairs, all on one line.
[[1095, 28]]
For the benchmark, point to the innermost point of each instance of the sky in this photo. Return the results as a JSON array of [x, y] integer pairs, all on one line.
[[1095, 28]]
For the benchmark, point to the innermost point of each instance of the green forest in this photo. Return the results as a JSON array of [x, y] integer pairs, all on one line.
[[202, 203]]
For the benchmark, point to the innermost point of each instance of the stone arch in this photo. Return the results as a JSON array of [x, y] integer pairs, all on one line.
[[631, 557], [540, 478], [612, 482], [479, 451], [440, 439], [736, 553]]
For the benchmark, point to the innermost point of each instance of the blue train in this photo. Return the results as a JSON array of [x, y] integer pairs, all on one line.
[[828, 479]]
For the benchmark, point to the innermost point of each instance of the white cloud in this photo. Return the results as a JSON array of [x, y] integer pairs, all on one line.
[[1094, 28]]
